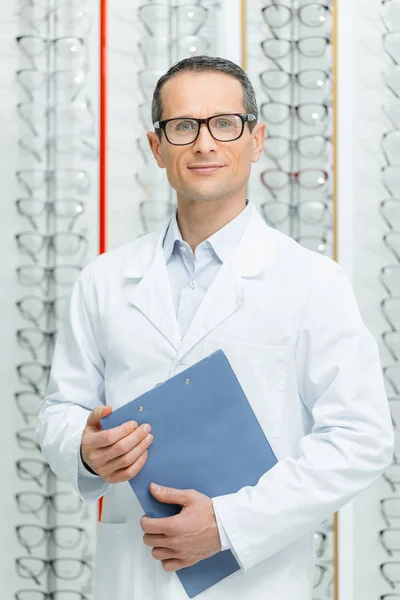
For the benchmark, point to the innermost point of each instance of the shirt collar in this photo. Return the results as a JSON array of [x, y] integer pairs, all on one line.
[[222, 242]]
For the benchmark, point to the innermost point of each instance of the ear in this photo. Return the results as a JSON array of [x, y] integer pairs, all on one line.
[[155, 145], [258, 135]]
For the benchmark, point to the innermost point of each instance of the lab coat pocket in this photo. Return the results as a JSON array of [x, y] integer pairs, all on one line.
[[113, 562], [262, 371]]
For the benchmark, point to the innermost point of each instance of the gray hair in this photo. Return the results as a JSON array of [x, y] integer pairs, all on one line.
[[212, 64]]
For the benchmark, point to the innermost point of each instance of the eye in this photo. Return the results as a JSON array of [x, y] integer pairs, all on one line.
[[224, 123], [185, 126]]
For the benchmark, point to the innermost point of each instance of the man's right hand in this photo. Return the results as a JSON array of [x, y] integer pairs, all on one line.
[[116, 454]]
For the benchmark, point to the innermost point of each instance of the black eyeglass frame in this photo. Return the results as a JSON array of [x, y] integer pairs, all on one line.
[[245, 118]]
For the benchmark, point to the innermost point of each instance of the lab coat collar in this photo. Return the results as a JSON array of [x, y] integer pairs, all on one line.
[[253, 254], [153, 295]]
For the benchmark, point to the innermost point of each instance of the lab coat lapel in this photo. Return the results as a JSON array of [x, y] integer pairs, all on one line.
[[153, 295], [226, 292], [222, 299]]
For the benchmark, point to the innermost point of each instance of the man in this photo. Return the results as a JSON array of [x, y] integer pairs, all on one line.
[[216, 276]]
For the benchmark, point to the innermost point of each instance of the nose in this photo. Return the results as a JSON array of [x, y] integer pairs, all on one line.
[[205, 142]]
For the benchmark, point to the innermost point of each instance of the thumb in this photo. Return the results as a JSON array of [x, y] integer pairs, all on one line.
[[97, 413], [171, 495]]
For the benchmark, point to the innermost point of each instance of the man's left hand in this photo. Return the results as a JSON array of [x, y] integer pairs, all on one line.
[[186, 538]]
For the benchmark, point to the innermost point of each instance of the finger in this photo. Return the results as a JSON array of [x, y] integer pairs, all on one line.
[[109, 437], [93, 419], [140, 442], [172, 564], [158, 526], [126, 474], [156, 540], [162, 553]]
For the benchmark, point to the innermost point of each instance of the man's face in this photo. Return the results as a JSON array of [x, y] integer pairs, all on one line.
[[202, 95]]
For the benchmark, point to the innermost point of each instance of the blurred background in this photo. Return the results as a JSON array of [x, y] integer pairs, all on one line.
[[77, 178]]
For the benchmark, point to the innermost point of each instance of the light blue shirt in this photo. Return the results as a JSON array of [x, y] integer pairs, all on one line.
[[190, 276]]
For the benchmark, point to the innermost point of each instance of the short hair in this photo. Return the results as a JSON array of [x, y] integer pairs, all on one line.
[[212, 64]]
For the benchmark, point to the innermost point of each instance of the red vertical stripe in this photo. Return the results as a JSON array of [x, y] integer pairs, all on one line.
[[102, 126], [102, 141]]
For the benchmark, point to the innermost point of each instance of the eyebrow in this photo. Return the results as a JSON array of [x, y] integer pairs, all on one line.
[[221, 112]]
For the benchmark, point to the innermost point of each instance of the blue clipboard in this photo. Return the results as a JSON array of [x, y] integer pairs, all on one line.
[[207, 438]]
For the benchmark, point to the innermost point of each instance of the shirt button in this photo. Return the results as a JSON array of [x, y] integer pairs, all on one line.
[[192, 284]]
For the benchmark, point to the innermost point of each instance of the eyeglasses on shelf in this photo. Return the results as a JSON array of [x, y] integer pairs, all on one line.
[[33, 340], [33, 275], [35, 309], [309, 113], [64, 537], [33, 469], [26, 439], [157, 18], [64, 503], [70, 117], [311, 147], [29, 594], [313, 46], [66, 83], [67, 17], [63, 568], [278, 179], [61, 243], [310, 79], [66, 210], [312, 14]]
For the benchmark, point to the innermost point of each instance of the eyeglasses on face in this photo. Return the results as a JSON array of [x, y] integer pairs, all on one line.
[[223, 128]]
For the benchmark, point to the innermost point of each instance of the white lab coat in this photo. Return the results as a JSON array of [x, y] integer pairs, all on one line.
[[288, 322]]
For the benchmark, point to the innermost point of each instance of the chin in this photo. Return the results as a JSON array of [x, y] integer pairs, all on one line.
[[205, 192]]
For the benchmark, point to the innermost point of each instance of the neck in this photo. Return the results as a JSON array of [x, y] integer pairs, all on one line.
[[199, 219]]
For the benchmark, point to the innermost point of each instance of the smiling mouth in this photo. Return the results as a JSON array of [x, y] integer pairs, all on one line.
[[206, 169]]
